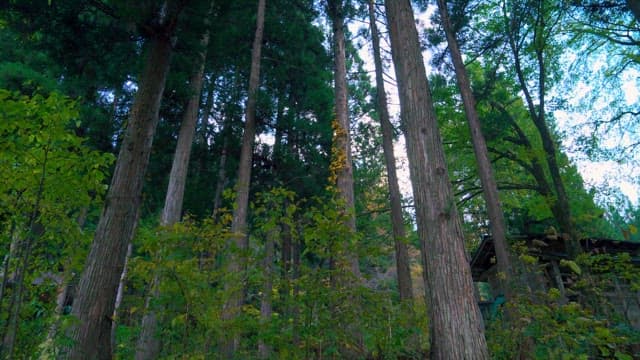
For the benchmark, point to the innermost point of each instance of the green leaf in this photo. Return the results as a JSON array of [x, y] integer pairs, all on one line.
[[621, 356], [571, 265]]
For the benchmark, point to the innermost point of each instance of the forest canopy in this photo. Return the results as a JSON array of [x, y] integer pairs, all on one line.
[[289, 179]]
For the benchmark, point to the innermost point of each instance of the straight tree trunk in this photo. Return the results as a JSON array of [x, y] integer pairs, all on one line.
[[456, 328], [148, 345], [341, 136], [239, 221], [405, 286], [347, 262], [485, 171], [120, 295], [98, 285], [172, 211]]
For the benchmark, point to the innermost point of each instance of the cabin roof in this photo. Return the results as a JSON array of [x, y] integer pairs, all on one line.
[[549, 247]]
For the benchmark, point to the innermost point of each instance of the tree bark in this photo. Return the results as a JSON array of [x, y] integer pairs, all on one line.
[[456, 329], [346, 262], [172, 211], [341, 137], [98, 285], [405, 286], [120, 295], [239, 221], [485, 171], [148, 345]]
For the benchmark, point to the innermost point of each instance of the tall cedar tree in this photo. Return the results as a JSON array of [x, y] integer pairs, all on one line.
[[341, 138], [239, 222], [148, 345], [456, 329], [98, 284], [487, 178], [405, 287], [341, 163]]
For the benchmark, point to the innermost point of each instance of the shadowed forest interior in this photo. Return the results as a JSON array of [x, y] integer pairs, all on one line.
[[319, 179]]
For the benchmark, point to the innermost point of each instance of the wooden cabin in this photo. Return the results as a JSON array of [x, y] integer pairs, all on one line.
[[551, 271]]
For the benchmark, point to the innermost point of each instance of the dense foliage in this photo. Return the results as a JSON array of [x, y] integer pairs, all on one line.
[[69, 74]]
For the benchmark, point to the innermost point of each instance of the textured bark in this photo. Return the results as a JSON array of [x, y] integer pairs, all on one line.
[[239, 221], [148, 346], [537, 114], [342, 138], [99, 281], [405, 286], [346, 263], [485, 171], [172, 211], [456, 329]]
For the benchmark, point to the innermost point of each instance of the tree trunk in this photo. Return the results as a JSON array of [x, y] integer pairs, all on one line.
[[485, 171], [99, 281], [456, 329], [148, 345], [341, 162], [119, 296], [537, 114], [239, 221], [342, 171], [405, 286], [172, 211], [535, 168]]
